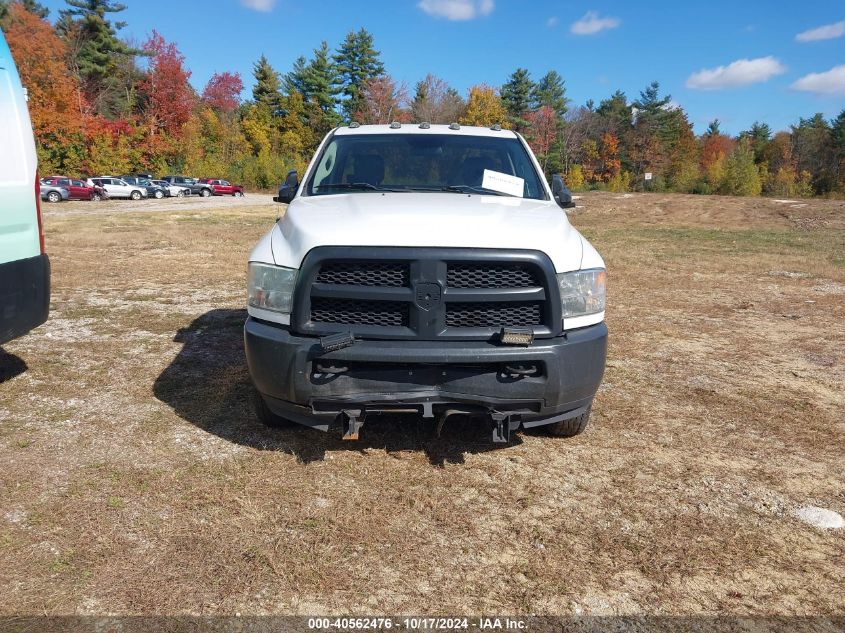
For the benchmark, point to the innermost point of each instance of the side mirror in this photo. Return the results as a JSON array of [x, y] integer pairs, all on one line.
[[561, 194], [288, 190]]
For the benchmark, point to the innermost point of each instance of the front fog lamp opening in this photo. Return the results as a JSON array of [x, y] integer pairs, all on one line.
[[517, 336]]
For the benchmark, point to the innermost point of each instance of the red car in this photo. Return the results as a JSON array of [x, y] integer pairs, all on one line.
[[223, 187], [77, 188]]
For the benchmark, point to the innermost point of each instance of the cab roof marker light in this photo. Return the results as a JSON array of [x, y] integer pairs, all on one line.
[[496, 127], [425, 125], [354, 125], [454, 126], [395, 125]]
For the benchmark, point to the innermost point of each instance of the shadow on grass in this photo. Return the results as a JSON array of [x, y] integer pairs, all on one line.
[[10, 365], [208, 385]]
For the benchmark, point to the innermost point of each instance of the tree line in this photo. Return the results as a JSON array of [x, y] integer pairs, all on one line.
[[101, 104]]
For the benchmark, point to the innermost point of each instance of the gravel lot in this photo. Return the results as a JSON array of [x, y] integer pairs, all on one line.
[[136, 480]]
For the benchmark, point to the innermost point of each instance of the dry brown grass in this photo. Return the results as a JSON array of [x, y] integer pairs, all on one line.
[[135, 479]]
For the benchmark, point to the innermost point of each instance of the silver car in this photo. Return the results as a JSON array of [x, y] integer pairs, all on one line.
[[51, 193]]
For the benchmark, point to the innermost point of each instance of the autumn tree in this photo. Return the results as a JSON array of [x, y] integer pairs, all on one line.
[[223, 91], [741, 176], [55, 102], [715, 149], [484, 107], [357, 61], [435, 101], [609, 157], [542, 132], [35, 8], [381, 101], [169, 96]]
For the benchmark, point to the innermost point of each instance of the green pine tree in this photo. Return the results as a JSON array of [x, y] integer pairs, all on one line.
[[267, 89], [550, 91], [516, 96], [96, 43], [356, 61]]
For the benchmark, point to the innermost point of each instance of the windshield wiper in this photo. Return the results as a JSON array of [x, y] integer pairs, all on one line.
[[471, 189], [355, 186]]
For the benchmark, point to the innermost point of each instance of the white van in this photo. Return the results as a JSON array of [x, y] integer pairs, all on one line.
[[24, 266]]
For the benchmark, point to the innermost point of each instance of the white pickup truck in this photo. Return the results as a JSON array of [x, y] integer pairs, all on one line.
[[425, 269]]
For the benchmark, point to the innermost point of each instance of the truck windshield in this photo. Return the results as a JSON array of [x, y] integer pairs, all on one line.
[[425, 162]]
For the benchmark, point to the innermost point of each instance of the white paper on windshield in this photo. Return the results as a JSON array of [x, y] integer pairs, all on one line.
[[503, 183]]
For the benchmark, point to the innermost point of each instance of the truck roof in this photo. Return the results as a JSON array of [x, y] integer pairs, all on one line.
[[414, 128]]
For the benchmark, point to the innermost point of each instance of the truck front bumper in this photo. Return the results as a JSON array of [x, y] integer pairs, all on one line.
[[301, 383]]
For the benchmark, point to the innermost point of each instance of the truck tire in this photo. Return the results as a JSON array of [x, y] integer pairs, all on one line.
[[265, 416], [238, 194], [205, 193], [135, 195], [570, 427]]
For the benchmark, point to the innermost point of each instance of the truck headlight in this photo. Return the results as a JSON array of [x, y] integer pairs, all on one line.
[[271, 287], [582, 292]]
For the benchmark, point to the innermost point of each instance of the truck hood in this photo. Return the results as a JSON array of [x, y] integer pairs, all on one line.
[[422, 219]]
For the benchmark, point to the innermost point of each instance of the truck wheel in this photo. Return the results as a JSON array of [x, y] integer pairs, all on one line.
[[205, 193], [265, 416], [135, 195], [570, 427], [238, 194]]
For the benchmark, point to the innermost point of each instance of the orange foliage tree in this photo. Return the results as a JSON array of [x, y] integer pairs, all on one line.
[[55, 101]]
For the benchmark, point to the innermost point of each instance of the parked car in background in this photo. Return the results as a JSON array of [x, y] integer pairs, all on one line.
[[119, 188], [176, 191], [223, 187], [78, 189], [53, 193], [24, 265], [197, 188], [153, 190]]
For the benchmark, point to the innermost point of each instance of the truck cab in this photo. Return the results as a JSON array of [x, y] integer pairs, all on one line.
[[426, 269], [24, 265]]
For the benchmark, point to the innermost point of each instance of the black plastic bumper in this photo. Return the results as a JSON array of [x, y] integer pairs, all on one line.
[[24, 296], [301, 383]]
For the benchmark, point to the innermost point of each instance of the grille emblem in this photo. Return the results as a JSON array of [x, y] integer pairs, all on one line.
[[427, 295]]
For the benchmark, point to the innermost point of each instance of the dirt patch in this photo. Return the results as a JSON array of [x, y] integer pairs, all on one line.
[[136, 480]]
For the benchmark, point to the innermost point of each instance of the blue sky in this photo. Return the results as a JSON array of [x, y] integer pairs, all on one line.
[[738, 60]]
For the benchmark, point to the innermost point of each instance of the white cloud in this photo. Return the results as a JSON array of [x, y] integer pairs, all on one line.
[[265, 6], [457, 9], [552, 21], [831, 82], [592, 23], [826, 32], [742, 72]]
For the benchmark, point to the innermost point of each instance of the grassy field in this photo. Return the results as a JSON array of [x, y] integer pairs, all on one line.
[[136, 480]]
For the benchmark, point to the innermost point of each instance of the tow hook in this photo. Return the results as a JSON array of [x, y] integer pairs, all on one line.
[[502, 426], [352, 420]]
